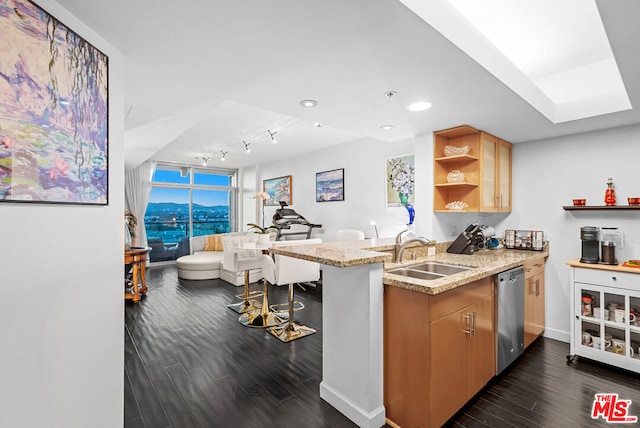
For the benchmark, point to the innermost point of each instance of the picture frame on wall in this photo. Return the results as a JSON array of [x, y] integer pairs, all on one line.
[[54, 115], [400, 172], [330, 185], [279, 189]]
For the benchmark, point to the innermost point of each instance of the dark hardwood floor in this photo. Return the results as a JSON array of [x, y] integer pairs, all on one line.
[[189, 363]]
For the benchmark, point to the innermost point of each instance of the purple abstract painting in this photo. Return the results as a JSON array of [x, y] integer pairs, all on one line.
[[53, 110]]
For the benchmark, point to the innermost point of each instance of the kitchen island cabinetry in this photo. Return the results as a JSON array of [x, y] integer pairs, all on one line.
[[604, 327], [486, 168], [533, 300], [439, 351]]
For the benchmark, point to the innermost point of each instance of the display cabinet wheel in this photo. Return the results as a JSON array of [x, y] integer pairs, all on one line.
[[570, 358]]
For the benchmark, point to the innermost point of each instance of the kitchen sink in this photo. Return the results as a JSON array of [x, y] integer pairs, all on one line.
[[439, 268], [429, 271], [415, 273]]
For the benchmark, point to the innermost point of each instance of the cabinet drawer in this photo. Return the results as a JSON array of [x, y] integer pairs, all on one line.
[[608, 278], [533, 267], [451, 301]]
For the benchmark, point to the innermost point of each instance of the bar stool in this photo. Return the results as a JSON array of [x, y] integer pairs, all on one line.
[[265, 317], [237, 258], [283, 270]]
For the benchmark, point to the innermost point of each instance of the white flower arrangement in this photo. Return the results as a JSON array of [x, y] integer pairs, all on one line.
[[402, 176]]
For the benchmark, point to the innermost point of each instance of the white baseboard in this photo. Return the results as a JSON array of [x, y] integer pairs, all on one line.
[[561, 335], [359, 416]]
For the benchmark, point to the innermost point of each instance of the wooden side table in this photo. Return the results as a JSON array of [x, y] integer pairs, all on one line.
[[137, 257]]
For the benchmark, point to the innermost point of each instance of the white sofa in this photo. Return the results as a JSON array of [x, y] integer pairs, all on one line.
[[201, 264]]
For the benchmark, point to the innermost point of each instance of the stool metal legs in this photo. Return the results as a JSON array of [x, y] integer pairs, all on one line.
[[263, 318], [247, 305], [291, 330]]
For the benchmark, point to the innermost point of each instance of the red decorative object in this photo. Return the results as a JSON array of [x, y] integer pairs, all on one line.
[[610, 194]]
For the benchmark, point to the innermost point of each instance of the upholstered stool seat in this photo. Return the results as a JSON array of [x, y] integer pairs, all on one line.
[[242, 259]]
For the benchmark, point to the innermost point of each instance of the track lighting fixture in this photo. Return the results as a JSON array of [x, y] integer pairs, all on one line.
[[205, 159], [272, 135], [246, 146], [223, 155]]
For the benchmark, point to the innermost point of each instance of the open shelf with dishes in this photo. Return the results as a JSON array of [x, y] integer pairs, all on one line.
[[600, 207], [472, 170]]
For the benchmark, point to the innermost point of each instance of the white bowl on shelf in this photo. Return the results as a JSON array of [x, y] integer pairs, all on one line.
[[457, 206], [455, 151]]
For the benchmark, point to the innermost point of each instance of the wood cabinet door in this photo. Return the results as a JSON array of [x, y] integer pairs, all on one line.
[[539, 308], [503, 187], [488, 173], [533, 308], [482, 358], [449, 366]]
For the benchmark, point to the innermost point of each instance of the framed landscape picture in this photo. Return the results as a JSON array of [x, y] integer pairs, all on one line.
[[279, 189], [330, 185], [53, 111]]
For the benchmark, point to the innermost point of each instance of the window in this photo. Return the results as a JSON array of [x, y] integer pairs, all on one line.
[[188, 201]]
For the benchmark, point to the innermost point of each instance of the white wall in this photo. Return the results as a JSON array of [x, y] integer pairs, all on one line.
[[364, 169], [61, 299], [549, 174]]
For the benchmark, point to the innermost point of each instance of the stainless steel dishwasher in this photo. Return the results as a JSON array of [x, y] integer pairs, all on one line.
[[510, 316]]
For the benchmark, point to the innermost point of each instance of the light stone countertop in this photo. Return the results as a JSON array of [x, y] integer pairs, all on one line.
[[484, 263]]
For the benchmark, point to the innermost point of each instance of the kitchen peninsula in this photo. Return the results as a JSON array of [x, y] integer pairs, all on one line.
[[355, 278]]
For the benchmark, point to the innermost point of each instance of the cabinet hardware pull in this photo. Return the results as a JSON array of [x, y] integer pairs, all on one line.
[[537, 287], [468, 330], [614, 278], [473, 329]]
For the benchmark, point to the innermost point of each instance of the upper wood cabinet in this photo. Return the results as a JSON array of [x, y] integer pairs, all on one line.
[[486, 168]]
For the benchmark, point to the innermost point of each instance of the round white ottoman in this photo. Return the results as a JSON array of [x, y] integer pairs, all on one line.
[[201, 265]]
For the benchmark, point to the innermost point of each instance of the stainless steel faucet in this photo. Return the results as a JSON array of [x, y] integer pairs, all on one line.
[[400, 246]]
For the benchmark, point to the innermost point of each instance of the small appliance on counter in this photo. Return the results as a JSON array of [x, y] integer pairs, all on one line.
[[611, 241], [601, 245], [590, 237]]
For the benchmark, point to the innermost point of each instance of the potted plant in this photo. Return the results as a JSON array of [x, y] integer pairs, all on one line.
[[130, 222], [265, 232]]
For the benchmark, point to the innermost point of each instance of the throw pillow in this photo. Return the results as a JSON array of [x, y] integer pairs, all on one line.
[[213, 243]]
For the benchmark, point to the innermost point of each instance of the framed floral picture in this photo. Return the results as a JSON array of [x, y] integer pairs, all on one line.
[[279, 189], [400, 180], [330, 185], [53, 110]]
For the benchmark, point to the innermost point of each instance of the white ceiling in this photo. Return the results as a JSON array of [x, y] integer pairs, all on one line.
[[203, 75]]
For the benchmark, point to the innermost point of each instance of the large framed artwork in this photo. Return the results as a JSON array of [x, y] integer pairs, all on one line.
[[330, 185], [400, 180], [53, 110], [279, 189]]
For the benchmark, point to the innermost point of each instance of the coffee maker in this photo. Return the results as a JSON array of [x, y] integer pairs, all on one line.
[[590, 237], [610, 244]]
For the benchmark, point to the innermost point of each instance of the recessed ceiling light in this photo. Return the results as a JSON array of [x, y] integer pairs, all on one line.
[[419, 106], [317, 124], [390, 94], [308, 103], [386, 127]]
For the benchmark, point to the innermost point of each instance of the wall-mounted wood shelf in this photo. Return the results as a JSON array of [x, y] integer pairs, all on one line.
[[599, 208]]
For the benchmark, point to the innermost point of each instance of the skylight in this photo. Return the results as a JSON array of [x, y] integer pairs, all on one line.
[[554, 53]]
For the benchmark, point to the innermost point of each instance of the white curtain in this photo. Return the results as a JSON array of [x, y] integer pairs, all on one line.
[[137, 188]]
